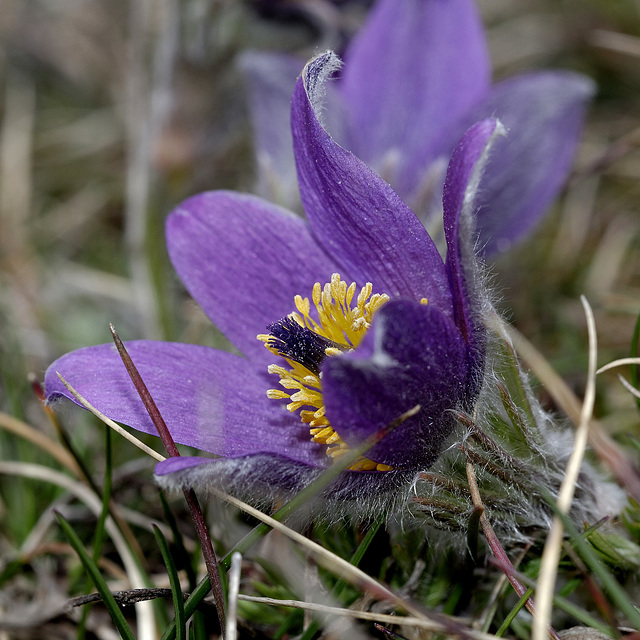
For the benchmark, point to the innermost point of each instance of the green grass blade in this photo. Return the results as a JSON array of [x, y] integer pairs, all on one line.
[[176, 590], [190, 605], [106, 498], [92, 569], [183, 557], [199, 630], [514, 612], [514, 384]]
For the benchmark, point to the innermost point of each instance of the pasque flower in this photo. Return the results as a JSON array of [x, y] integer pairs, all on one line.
[[344, 321], [416, 76]]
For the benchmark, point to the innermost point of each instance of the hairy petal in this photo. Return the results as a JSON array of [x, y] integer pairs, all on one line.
[[243, 260], [356, 216], [459, 203], [414, 69], [255, 476], [412, 355], [543, 114], [262, 478], [212, 400]]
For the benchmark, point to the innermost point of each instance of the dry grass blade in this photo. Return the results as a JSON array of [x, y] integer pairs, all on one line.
[[629, 387], [234, 587], [23, 430], [409, 621], [618, 363], [614, 41], [553, 543]]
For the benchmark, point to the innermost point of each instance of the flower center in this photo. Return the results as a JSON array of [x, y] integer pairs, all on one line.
[[304, 343]]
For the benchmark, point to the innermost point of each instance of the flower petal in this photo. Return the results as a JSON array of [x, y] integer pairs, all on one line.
[[254, 476], [412, 355], [357, 217], [415, 68], [260, 477], [212, 400], [243, 260], [543, 114], [271, 78], [459, 203]]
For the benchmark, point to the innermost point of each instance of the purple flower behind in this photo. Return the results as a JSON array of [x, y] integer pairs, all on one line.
[[415, 78], [349, 362]]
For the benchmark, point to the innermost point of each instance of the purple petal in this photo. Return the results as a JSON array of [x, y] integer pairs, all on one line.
[[271, 78], [543, 114], [243, 260], [410, 74], [212, 400], [412, 355], [355, 215], [459, 204], [180, 463], [254, 476]]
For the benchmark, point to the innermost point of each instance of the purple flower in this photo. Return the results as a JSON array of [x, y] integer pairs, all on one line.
[[355, 356], [415, 77]]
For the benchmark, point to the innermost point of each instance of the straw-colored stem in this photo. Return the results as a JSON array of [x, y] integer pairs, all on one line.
[[553, 543]]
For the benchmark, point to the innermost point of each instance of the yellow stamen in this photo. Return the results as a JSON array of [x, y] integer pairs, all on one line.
[[276, 394], [338, 321]]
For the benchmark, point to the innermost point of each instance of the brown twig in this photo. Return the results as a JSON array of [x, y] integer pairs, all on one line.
[[194, 508], [124, 598]]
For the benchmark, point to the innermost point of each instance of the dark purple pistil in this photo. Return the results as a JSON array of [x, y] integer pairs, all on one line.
[[299, 343]]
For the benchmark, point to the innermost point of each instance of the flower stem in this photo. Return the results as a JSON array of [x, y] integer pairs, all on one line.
[[197, 516]]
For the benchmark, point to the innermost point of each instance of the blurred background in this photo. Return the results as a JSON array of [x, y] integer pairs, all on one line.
[[113, 111]]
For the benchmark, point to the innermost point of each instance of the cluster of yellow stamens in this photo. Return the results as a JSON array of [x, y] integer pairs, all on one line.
[[343, 325], [337, 320]]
